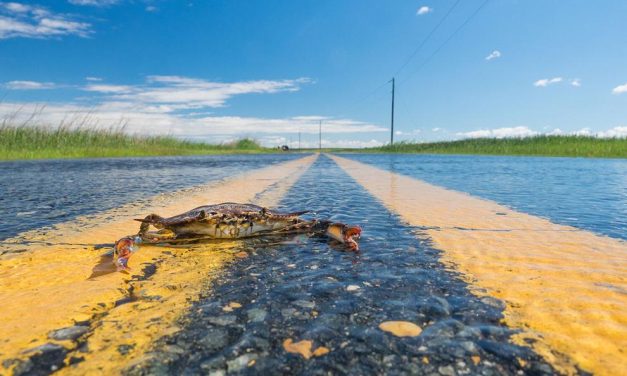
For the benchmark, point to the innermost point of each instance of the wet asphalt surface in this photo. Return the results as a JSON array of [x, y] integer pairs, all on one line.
[[311, 289], [45, 192]]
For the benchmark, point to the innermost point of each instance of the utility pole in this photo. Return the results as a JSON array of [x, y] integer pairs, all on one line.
[[392, 122], [320, 137]]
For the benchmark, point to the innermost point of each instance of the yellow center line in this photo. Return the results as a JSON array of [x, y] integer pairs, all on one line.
[[48, 286], [565, 287]]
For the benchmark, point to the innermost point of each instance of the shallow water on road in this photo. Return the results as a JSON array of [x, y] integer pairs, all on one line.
[[588, 193], [313, 290], [45, 192], [328, 302]]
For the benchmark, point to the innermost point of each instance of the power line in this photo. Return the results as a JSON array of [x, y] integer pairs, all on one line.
[[424, 41], [362, 99], [424, 62]]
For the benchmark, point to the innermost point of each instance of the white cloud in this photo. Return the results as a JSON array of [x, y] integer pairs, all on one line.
[[176, 105], [28, 85], [29, 21], [17, 7], [95, 3], [620, 89], [582, 132], [103, 88], [151, 8], [192, 93], [499, 133], [547, 81], [520, 132], [156, 119], [616, 132], [93, 79], [576, 82], [493, 55], [424, 10], [436, 129]]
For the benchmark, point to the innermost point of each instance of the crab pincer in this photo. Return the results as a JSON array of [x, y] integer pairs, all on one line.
[[345, 234], [122, 251]]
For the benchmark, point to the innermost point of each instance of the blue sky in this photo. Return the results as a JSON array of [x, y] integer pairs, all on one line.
[[219, 70]]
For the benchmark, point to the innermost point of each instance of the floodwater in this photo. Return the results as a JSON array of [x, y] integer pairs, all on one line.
[[45, 192], [238, 309], [587, 193]]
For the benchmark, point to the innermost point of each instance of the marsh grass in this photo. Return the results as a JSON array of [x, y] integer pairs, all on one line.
[[555, 146], [67, 141]]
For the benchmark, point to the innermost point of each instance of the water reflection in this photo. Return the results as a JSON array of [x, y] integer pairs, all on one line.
[[46, 192], [587, 193]]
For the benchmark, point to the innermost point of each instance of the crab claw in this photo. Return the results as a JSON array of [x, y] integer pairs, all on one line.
[[349, 234], [122, 251], [345, 234], [121, 264]]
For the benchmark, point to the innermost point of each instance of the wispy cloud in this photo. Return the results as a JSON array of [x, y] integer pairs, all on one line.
[[108, 89], [499, 133], [94, 3], [177, 105], [30, 21], [493, 55], [424, 10], [28, 85], [576, 82], [620, 89], [192, 93], [436, 129], [547, 81], [93, 79]]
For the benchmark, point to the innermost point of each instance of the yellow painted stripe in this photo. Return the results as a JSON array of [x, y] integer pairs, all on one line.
[[49, 287], [565, 287]]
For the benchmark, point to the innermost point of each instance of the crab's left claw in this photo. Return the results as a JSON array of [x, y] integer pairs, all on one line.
[[121, 264], [122, 251]]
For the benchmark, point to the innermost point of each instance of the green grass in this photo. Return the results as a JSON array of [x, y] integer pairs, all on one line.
[[38, 142], [554, 146]]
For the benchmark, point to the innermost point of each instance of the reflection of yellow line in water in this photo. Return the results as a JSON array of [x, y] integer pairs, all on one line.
[[47, 286], [564, 286]]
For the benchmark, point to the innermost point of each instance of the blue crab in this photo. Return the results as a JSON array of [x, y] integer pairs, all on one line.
[[229, 221]]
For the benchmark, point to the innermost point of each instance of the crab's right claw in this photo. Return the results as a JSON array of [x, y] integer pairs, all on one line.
[[344, 234], [351, 234]]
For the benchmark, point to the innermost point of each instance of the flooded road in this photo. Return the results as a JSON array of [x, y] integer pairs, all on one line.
[[45, 192], [305, 305], [588, 193], [314, 291]]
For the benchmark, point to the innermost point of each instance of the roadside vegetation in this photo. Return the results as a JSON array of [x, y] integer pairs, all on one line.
[[554, 146], [38, 142]]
